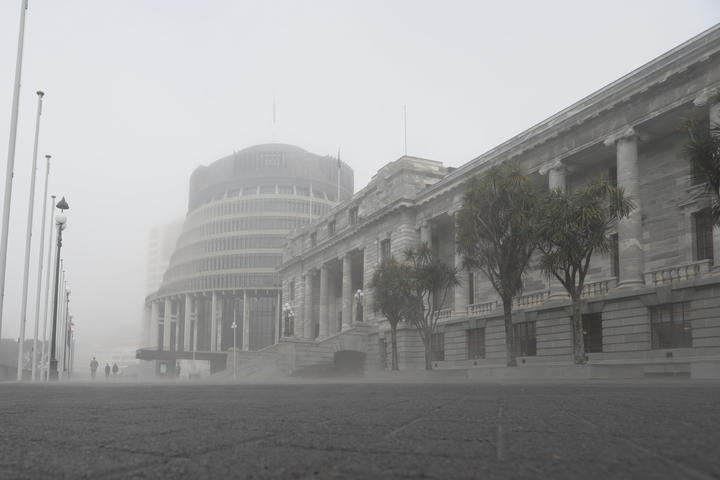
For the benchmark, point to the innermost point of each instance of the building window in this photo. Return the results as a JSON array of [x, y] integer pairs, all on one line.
[[670, 325], [353, 216], [703, 235], [437, 347], [475, 343], [384, 249], [313, 239], [331, 228], [592, 332], [525, 344], [614, 256], [292, 290]]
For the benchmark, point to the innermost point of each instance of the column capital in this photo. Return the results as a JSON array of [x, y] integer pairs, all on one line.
[[704, 97], [627, 133], [548, 167]]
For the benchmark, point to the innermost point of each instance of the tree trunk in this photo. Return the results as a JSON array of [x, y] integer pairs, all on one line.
[[393, 335], [427, 340], [509, 334], [578, 340]]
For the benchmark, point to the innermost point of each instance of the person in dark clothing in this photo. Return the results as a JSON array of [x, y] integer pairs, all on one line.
[[107, 370], [115, 369]]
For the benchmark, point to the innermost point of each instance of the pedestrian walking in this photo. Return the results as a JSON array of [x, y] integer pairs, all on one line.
[[93, 368], [107, 370], [115, 369]]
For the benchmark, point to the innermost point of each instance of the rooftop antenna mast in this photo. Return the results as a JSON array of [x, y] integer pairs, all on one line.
[[405, 126]]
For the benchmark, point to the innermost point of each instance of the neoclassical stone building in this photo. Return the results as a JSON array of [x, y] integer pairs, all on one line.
[[654, 302], [224, 266]]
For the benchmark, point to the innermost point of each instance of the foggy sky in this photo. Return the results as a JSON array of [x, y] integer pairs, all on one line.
[[139, 93]]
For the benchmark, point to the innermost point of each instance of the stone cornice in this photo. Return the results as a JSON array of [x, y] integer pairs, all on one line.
[[695, 51]]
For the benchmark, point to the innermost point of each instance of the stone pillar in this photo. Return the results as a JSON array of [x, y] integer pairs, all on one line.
[[460, 292], [556, 178], [187, 320], [245, 324], [167, 323], [556, 181], [213, 323], [323, 301], [279, 318], [632, 263], [307, 308], [154, 325], [425, 234], [347, 294], [219, 325], [299, 309]]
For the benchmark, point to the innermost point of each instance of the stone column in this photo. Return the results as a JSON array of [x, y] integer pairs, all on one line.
[[167, 319], [154, 325], [556, 181], [323, 301], [245, 324], [307, 307], [460, 300], [187, 320], [715, 123], [213, 323], [632, 263], [426, 234], [299, 309], [347, 294], [219, 324]]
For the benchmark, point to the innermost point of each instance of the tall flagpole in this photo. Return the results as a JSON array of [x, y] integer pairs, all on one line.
[[28, 245], [38, 295], [46, 345], [11, 158]]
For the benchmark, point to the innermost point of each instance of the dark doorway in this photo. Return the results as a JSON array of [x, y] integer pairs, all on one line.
[[349, 362], [592, 332]]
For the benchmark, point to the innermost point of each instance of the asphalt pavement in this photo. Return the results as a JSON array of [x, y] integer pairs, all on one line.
[[649, 429]]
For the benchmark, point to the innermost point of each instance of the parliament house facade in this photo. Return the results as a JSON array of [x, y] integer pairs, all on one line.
[[652, 304]]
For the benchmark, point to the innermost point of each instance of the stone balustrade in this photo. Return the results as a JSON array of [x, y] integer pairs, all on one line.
[[677, 273], [531, 299], [445, 314], [599, 288], [482, 308]]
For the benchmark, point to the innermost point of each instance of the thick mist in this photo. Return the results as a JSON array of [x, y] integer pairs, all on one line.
[[138, 94]]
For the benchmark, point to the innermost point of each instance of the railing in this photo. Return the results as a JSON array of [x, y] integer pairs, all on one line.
[[445, 314], [677, 273], [480, 308], [531, 299], [599, 288]]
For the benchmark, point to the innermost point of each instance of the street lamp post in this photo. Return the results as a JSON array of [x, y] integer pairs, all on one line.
[[60, 221], [234, 329]]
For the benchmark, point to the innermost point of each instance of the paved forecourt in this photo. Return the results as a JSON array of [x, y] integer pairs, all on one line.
[[664, 429]]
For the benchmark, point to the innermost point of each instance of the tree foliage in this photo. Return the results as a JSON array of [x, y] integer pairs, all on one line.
[[391, 290], [572, 227], [703, 151], [497, 233], [429, 281]]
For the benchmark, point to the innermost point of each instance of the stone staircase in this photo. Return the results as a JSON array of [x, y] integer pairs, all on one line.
[[294, 357]]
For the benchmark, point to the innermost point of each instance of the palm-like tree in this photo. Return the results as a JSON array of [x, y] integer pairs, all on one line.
[[497, 233], [573, 226], [391, 290], [703, 152]]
